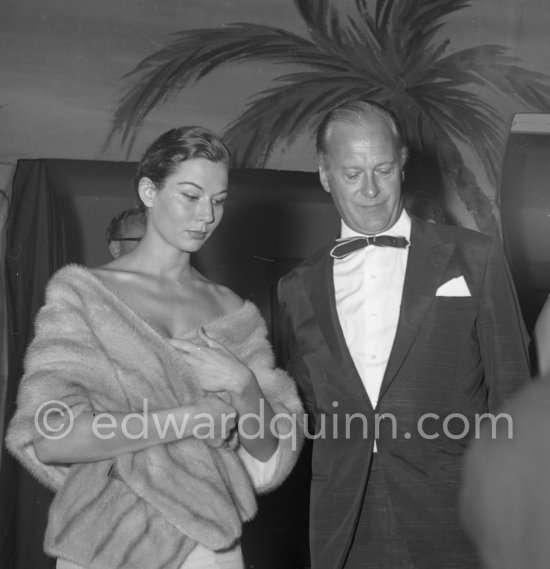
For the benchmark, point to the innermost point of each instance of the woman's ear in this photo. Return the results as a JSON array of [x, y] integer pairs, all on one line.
[[114, 249], [147, 191]]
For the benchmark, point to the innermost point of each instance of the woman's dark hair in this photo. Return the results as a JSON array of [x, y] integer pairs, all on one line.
[[175, 146]]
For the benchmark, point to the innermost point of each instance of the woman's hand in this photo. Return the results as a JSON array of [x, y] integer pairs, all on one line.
[[218, 368], [214, 421]]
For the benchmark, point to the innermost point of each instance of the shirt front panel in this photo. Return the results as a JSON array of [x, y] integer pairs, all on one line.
[[368, 289]]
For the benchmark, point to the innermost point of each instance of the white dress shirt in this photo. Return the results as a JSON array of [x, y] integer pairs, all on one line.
[[368, 286]]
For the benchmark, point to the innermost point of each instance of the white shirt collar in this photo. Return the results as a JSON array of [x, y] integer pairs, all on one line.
[[402, 227]]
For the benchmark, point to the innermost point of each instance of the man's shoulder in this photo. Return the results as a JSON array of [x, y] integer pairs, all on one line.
[[307, 263], [454, 233]]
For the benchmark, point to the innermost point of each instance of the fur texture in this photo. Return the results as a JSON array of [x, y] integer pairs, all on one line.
[[93, 353]]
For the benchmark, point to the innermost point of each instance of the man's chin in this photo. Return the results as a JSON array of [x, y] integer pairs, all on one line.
[[373, 228], [374, 224]]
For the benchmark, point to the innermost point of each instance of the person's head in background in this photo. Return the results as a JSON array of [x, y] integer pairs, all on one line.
[[125, 231], [424, 205]]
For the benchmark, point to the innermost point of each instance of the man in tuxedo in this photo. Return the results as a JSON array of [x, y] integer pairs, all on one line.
[[400, 336]]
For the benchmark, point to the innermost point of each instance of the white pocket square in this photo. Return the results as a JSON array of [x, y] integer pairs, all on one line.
[[454, 287]]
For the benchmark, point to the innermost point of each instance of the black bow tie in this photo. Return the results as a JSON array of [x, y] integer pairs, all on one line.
[[346, 247]]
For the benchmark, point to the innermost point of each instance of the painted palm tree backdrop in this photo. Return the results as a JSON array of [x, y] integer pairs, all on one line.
[[389, 51]]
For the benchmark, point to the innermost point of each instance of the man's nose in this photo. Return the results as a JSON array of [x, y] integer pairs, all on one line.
[[370, 187]]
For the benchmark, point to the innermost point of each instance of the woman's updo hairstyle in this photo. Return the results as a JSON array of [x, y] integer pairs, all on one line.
[[175, 146]]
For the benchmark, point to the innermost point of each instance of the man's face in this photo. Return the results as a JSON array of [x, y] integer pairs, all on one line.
[[131, 234], [134, 231], [361, 169]]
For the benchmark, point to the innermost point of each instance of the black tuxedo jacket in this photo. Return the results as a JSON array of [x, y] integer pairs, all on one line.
[[453, 359]]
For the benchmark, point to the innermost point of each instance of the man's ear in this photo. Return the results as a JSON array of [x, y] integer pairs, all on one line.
[[404, 155], [114, 249], [147, 191], [324, 178]]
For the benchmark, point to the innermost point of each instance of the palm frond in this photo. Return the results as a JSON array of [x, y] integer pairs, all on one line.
[[412, 24], [322, 20], [414, 68], [382, 14], [392, 54], [461, 181], [282, 113], [361, 52], [490, 66], [364, 14], [353, 41], [198, 52], [399, 36], [458, 177], [425, 18], [407, 29], [364, 26], [470, 120], [529, 87], [363, 44], [426, 122]]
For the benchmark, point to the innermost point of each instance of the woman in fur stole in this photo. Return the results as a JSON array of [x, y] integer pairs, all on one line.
[[150, 401]]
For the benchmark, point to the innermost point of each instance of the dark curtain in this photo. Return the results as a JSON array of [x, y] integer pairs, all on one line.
[[35, 249], [277, 538]]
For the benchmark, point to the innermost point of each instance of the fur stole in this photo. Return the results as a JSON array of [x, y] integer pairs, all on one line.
[[93, 353]]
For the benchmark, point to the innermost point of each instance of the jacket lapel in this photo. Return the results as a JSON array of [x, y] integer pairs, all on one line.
[[428, 258], [319, 284]]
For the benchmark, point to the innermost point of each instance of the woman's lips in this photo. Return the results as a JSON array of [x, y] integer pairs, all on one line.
[[196, 234]]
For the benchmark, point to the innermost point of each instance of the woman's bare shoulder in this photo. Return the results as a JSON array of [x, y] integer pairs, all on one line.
[[117, 271], [229, 301], [112, 267]]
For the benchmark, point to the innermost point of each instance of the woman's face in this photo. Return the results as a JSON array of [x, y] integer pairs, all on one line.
[[189, 206]]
